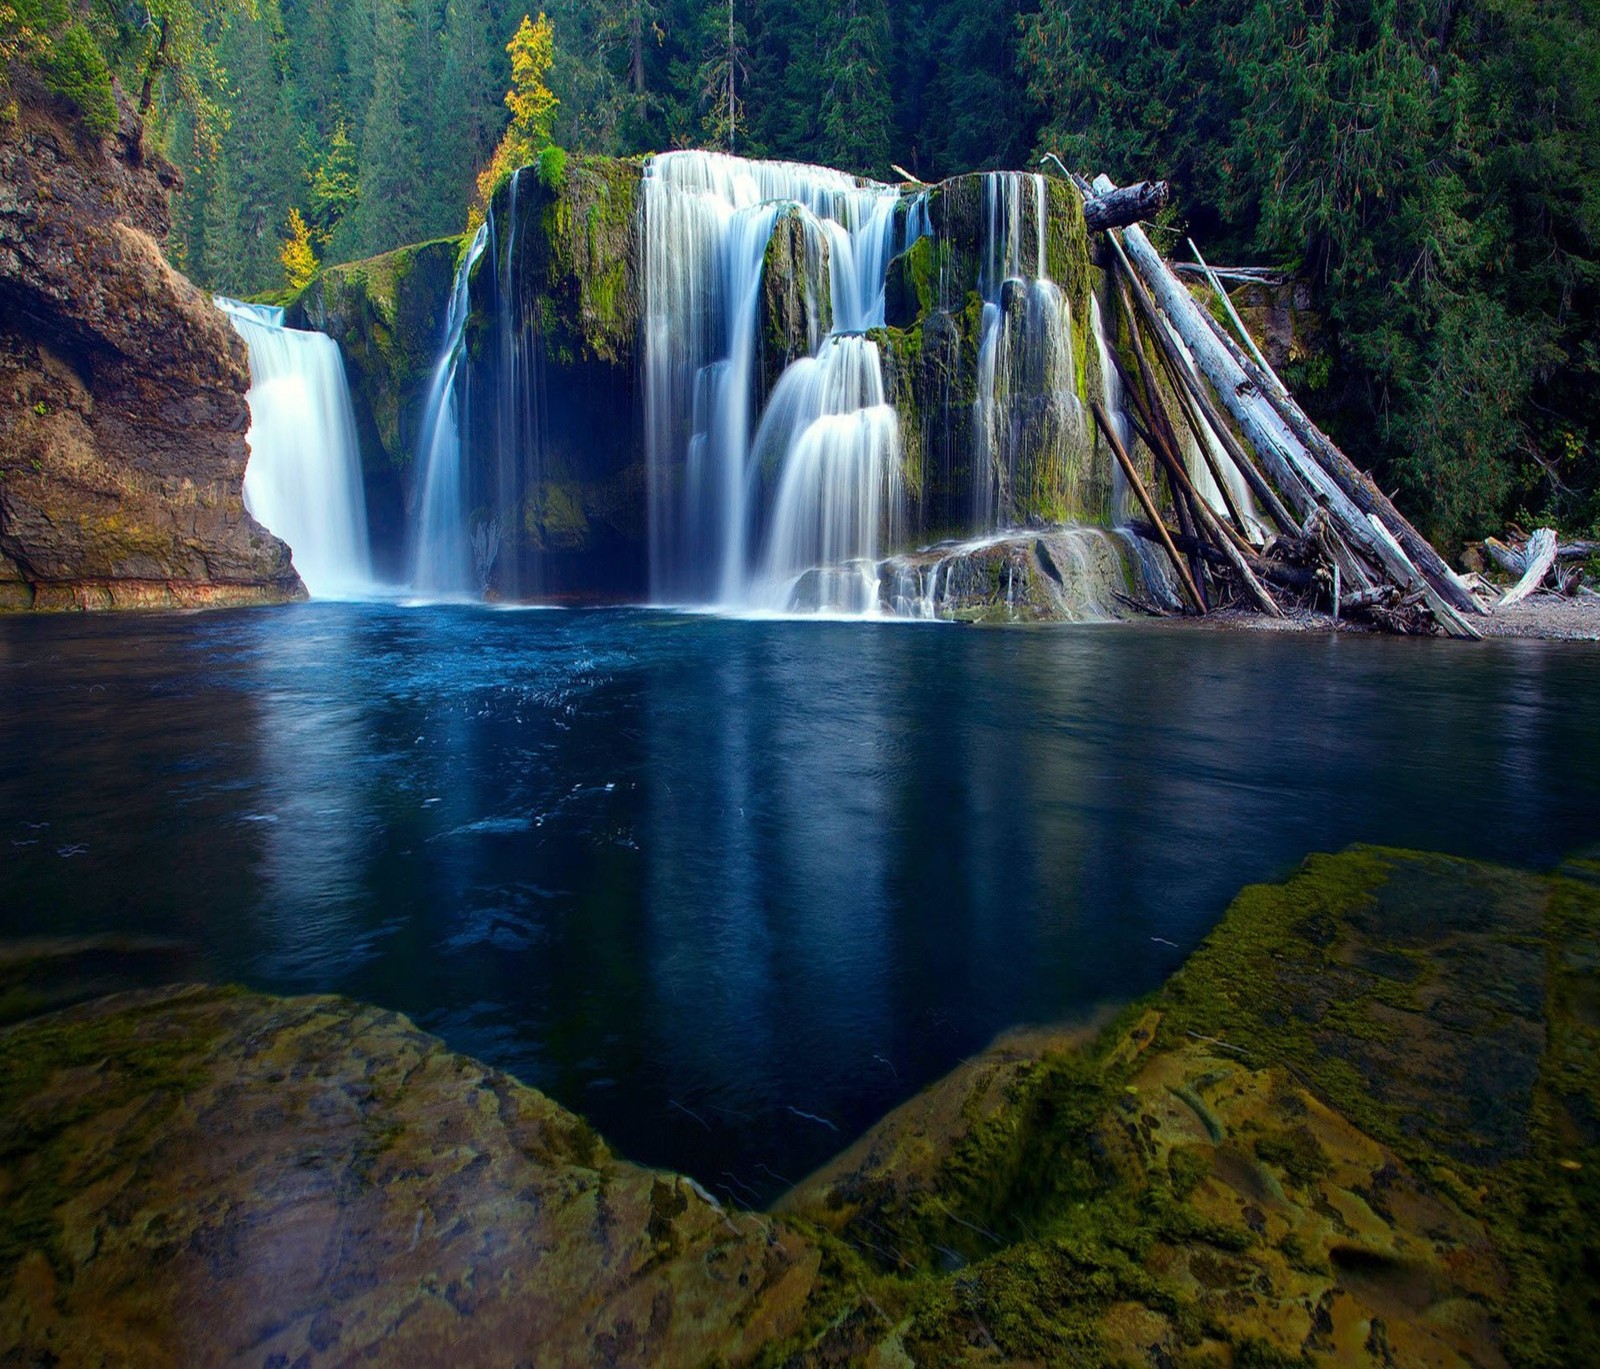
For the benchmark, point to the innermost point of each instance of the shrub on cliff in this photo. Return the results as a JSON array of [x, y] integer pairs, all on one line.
[[48, 38]]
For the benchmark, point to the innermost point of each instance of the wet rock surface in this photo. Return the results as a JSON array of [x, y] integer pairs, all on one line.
[[1360, 1126], [122, 390], [208, 1176]]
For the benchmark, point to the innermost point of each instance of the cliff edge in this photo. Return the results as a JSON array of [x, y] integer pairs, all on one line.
[[122, 389]]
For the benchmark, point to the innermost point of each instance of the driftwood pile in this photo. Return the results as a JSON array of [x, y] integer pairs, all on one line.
[[1536, 562], [1323, 534]]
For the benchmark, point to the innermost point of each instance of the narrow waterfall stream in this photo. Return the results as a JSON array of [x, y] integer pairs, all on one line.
[[441, 555], [303, 480]]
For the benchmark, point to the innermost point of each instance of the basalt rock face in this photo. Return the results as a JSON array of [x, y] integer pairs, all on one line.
[[386, 313], [122, 390]]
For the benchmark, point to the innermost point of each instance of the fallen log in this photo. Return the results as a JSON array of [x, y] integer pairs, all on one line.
[[1300, 578], [1165, 446], [1149, 506], [1361, 489], [1514, 560], [1119, 207], [1541, 556], [1291, 464]]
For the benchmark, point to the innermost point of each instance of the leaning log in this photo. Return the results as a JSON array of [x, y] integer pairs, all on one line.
[[1131, 203], [1361, 489], [1295, 469], [1190, 588], [1541, 556]]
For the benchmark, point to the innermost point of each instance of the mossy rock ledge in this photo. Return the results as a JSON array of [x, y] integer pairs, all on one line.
[[1360, 1126]]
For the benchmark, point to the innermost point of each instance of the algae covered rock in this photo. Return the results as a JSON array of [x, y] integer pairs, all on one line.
[[553, 346], [204, 1175], [795, 309], [1360, 1127]]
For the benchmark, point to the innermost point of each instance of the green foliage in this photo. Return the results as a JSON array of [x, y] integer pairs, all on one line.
[[552, 167], [49, 37], [1431, 167]]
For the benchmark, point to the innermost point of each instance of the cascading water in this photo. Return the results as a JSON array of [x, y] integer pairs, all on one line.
[[1029, 426], [441, 559], [737, 506], [303, 479]]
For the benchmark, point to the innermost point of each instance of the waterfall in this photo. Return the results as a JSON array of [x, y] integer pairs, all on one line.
[[303, 479], [1029, 428], [442, 555], [739, 499]]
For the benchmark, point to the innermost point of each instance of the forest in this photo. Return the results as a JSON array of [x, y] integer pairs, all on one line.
[[1430, 167]]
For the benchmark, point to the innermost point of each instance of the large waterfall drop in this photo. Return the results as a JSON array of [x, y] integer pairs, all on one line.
[[441, 559], [740, 501], [303, 480]]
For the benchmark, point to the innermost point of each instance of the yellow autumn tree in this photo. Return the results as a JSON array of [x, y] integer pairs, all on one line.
[[297, 255], [533, 108]]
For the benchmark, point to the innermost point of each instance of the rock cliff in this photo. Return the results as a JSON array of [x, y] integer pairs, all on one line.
[[122, 389]]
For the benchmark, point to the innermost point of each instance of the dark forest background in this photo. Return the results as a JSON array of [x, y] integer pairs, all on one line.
[[1431, 168]]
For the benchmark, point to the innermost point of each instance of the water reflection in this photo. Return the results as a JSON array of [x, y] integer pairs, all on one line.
[[733, 889]]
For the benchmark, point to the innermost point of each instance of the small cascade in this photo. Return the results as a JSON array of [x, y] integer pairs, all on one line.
[[1072, 574], [303, 479], [1030, 430], [737, 495], [836, 444], [482, 454], [441, 558]]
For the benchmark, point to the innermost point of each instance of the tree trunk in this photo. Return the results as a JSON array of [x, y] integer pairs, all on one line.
[[1291, 464], [1127, 205]]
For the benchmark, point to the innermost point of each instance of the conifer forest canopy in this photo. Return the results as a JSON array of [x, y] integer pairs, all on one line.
[[1431, 168]]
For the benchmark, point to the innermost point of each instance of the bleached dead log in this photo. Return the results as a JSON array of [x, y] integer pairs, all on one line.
[[1149, 507], [1514, 559], [1115, 208], [1361, 489], [1541, 556], [1291, 465]]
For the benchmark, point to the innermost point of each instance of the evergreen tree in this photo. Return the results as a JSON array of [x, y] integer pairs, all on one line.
[[388, 212], [857, 109], [721, 75], [468, 108]]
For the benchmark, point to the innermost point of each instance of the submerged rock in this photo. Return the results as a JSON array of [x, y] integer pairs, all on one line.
[[122, 389]]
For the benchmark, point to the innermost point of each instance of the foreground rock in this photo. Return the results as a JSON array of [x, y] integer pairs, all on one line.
[[122, 390], [202, 1176], [1360, 1127]]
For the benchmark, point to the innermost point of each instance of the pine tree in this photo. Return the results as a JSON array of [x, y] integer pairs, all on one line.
[[335, 188], [857, 108], [468, 109], [721, 76], [387, 214]]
